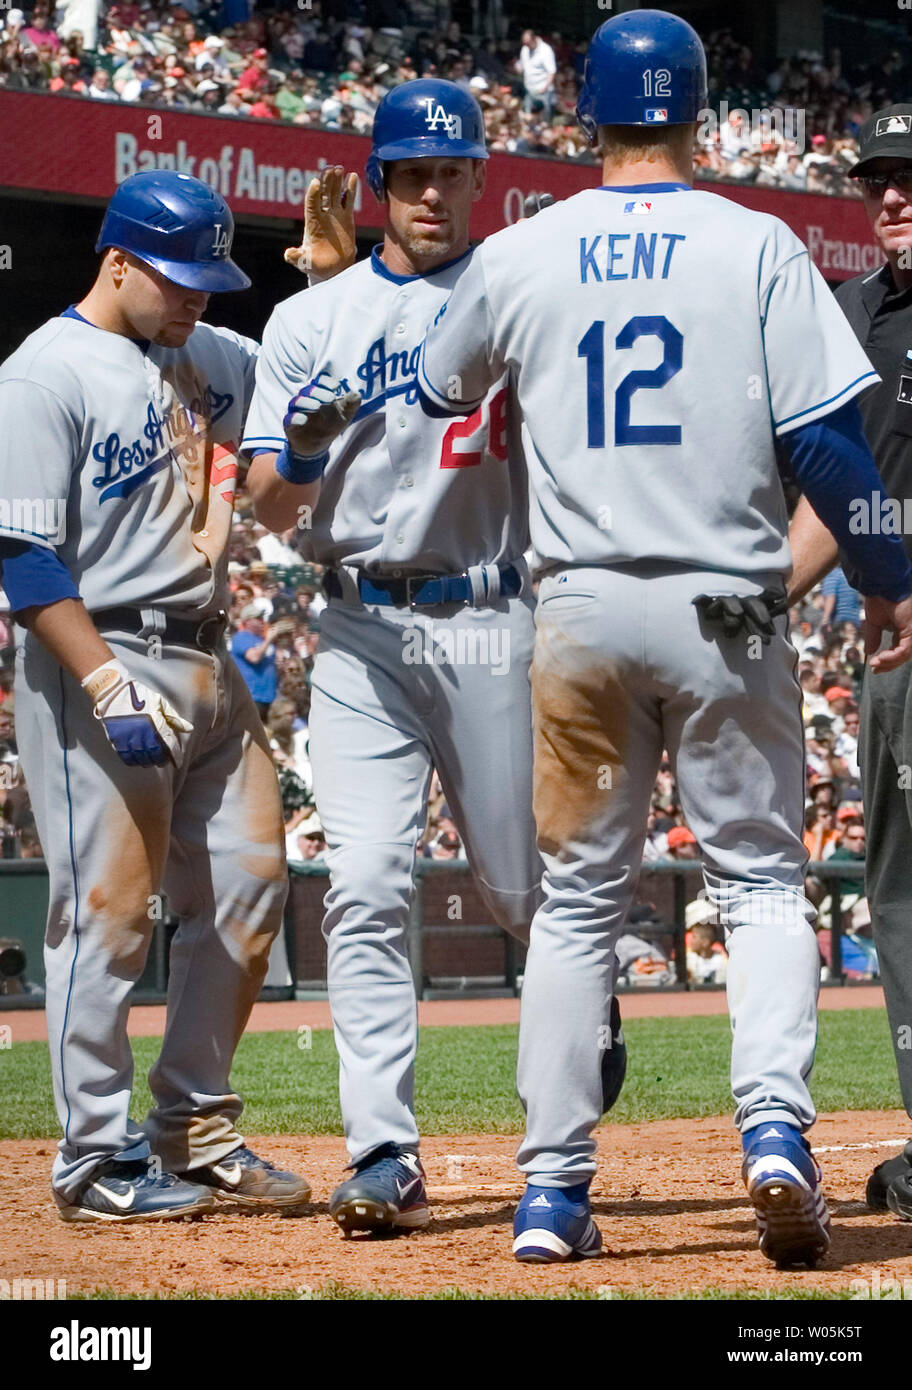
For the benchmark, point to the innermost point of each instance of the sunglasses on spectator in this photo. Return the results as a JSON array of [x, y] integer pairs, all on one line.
[[875, 185]]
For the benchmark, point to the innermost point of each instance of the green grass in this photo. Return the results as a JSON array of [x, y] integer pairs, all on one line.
[[465, 1077]]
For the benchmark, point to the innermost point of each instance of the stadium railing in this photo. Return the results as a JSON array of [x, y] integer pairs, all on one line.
[[453, 947]]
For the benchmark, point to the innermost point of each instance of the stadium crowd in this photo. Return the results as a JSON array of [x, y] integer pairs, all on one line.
[[328, 73]]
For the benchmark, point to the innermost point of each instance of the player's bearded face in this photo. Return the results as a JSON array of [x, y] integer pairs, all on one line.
[[430, 201], [158, 309]]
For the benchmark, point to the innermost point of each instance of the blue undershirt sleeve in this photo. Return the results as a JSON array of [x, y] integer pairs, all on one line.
[[33, 576], [835, 469]]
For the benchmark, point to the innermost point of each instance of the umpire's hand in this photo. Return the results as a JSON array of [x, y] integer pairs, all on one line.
[[882, 615]]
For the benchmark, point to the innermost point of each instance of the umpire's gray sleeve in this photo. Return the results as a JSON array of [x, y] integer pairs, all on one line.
[[459, 363]]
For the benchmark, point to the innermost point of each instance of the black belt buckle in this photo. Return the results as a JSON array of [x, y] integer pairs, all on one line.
[[216, 626]]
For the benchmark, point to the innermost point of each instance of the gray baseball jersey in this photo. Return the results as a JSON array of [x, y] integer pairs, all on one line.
[[100, 439], [129, 460], [402, 490], [661, 339], [652, 400], [397, 692]]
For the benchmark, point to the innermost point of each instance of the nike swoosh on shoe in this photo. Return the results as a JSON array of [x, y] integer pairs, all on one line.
[[122, 1200]]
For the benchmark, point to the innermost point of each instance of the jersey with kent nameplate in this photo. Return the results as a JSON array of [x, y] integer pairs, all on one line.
[[397, 477], [687, 333], [132, 457]]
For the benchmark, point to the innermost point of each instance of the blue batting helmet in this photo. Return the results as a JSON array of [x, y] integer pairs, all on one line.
[[425, 119], [644, 67], [179, 226]]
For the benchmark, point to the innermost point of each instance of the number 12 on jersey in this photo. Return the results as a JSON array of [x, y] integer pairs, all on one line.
[[592, 347]]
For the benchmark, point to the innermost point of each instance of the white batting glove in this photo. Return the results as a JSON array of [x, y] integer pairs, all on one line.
[[142, 727], [318, 414]]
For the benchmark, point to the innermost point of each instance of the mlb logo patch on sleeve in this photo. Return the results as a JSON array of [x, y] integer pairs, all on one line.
[[639, 206]]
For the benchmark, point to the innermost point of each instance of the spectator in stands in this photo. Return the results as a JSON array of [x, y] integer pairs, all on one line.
[[68, 81], [656, 843], [682, 843], [307, 843], [12, 28], [264, 107], [213, 55], [40, 33], [29, 843], [130, 80], [442, 840], [814, 702], [846, 746], [820, 753], [822, 792], [538, 68], [852, 838], [821, 834], [707, 959], [258, 576], [290, 746], [447, 846], [233, 105], [840, 699], [253, 649], [255, 77], [794, 177], [841, 602], [208, 96], [100, 87], [734, 140], [640, 961]]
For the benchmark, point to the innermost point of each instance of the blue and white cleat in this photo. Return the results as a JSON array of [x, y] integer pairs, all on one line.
[[784, 1183], [132, 1191], [552, 1224], [387, 1192]]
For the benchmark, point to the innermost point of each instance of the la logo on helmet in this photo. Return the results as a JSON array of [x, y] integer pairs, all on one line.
[[436, 115], [222, 243]]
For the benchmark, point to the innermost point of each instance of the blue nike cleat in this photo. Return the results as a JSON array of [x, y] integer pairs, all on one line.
[[387, 1192], [784, 1183], [552, 1224], [131, 1191]]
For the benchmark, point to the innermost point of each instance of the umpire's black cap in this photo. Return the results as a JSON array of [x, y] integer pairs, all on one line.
[[885, 135]]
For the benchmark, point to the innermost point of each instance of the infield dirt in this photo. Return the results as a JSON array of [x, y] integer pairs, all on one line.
[[668, 1199]]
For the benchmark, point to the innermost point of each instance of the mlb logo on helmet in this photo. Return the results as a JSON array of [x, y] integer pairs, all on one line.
[[656, 114]]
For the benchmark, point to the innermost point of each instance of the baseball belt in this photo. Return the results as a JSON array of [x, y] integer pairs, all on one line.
[[421, 590], [205, 636]]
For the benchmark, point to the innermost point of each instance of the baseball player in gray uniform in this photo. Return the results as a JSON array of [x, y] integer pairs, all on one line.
[[659, 519], [145, 758], [426, 641]]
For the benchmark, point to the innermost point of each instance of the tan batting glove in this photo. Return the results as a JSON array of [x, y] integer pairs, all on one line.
[[142, 727], [328, 245]]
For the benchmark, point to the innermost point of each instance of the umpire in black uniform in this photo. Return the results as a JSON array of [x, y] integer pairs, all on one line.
[[878, 305]]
